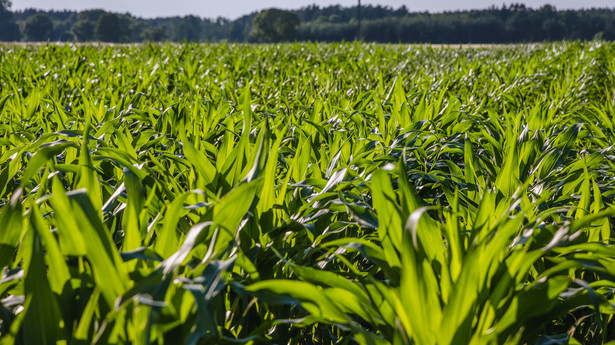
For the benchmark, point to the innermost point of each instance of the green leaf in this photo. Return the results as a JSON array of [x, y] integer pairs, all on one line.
[[43, 318], [10, 216], [313, 299]]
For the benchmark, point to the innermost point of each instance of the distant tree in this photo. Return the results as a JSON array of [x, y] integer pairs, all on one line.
[[239, 29], [504, 24], [86, 24], [127, 25], [39, 27], [274, 25], [216, 30], [108, 28], [554, 29], [155, 34], [359, 19], [609, 30], [83, 31], [9, 31], [402, 11], [67, 36], [188, 29]]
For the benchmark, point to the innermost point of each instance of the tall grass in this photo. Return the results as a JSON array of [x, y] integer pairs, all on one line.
[[307, 193]]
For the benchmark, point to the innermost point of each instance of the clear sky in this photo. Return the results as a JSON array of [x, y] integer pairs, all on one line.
[[236, 8]]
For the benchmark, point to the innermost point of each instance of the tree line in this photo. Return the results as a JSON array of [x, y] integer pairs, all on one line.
[[506, 24]]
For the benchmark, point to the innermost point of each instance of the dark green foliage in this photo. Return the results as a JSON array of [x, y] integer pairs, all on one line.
[[67, 36], [39, 28], [108, 28], [83, 31], [274, 25], [155, 34], [506, 24], [9, 31], [188, 29], [86, 24]]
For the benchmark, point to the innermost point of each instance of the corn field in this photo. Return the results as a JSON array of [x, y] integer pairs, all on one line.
[[307, 193]]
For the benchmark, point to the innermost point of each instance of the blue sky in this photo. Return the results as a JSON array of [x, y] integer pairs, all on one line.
[[236, 8]]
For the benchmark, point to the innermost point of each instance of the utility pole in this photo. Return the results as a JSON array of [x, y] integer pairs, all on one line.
[[359, 21]]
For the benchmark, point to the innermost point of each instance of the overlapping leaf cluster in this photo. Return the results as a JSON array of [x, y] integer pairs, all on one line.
[[307, 193]]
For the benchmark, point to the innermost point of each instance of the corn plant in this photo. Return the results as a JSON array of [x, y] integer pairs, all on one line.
[[307, 193]]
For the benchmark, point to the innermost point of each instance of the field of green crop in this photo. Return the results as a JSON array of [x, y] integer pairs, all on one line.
[[307, 193]]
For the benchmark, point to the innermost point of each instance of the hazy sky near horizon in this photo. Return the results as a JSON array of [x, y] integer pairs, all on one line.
[[235, 8]]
